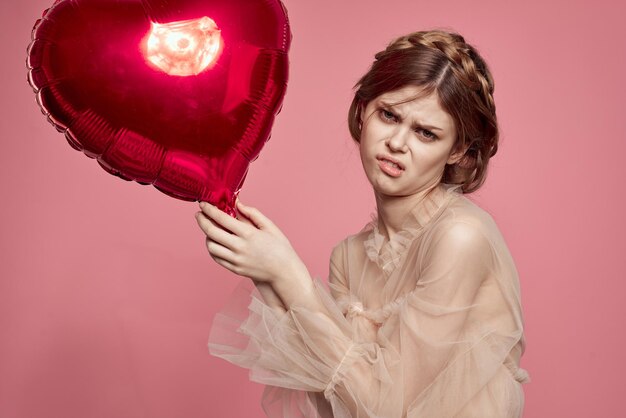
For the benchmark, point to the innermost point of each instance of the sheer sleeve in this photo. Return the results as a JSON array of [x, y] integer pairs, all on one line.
[[441, 352]]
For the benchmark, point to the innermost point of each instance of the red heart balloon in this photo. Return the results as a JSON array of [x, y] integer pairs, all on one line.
[[180, 94]]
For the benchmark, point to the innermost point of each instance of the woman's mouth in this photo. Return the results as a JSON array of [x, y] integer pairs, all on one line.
[[390, 168]]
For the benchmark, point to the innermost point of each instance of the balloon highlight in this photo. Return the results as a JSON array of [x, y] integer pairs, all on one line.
[[183, 48]]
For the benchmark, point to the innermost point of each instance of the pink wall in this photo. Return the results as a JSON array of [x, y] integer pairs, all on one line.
[[107, 291]]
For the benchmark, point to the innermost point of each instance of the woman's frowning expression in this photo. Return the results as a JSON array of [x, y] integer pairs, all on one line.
[[418, 135]]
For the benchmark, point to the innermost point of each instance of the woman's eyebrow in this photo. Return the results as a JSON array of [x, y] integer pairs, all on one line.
[[429, 127], [389, 107], [386, 105]]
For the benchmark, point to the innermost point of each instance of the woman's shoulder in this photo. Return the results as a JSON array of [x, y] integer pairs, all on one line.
[[463, 213]]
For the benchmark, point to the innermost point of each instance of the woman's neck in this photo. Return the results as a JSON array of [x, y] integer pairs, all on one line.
[[392, 210]]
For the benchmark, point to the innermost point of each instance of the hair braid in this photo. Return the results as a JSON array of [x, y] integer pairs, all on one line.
[[466, 63]]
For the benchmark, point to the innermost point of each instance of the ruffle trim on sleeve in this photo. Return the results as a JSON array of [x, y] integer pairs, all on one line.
[[297, 349], [351, 355]]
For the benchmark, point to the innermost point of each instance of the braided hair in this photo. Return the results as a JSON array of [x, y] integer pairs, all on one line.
[[443, 63]]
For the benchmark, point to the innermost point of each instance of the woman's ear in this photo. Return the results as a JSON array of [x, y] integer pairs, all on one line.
[[456, 156], [361, 116]]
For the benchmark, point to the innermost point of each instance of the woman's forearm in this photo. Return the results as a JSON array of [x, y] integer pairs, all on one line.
[[296, 288], [270, 297], [331, 345]]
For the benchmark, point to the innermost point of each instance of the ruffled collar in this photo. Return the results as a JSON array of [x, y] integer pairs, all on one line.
[[388, 254]]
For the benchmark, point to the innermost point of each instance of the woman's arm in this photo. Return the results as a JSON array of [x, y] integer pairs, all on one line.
[[270, 297], [253, 248], [312, 347]]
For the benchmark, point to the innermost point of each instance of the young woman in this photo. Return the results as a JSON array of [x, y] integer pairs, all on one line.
[[423, 317]]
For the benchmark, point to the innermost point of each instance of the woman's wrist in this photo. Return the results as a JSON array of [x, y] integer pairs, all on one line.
[[269, 296], [295, 287]]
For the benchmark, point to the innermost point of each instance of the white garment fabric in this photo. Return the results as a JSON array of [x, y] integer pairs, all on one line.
[[428, 324]]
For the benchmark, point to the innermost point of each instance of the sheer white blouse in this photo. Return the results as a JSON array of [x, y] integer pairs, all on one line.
[[427, 324]]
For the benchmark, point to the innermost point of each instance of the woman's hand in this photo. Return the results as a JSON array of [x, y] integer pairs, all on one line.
[[256, 249]]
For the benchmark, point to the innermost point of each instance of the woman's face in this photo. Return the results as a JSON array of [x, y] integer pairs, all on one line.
[[418, 135]]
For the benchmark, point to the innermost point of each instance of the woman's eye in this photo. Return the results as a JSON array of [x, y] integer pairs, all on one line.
[[387, 115], [427, 134]]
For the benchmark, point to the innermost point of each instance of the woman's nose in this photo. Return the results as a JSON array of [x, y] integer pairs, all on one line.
[[397, 140]]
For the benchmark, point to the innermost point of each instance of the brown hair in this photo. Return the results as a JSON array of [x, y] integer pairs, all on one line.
[[441, 62]]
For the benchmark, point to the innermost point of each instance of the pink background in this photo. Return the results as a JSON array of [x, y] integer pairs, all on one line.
[[107, 291]]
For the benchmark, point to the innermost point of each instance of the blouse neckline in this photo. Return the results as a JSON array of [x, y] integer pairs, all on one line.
[[387, 254]]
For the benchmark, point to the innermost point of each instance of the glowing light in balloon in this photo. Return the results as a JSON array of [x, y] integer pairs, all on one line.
[[183, 48]]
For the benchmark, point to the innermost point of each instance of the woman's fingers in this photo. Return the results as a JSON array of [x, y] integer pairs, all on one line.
[[215, 233], [219, 243], [224, 262], [241, 246], [223, 219], [255, 215], [243, 218], [216, 250]]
